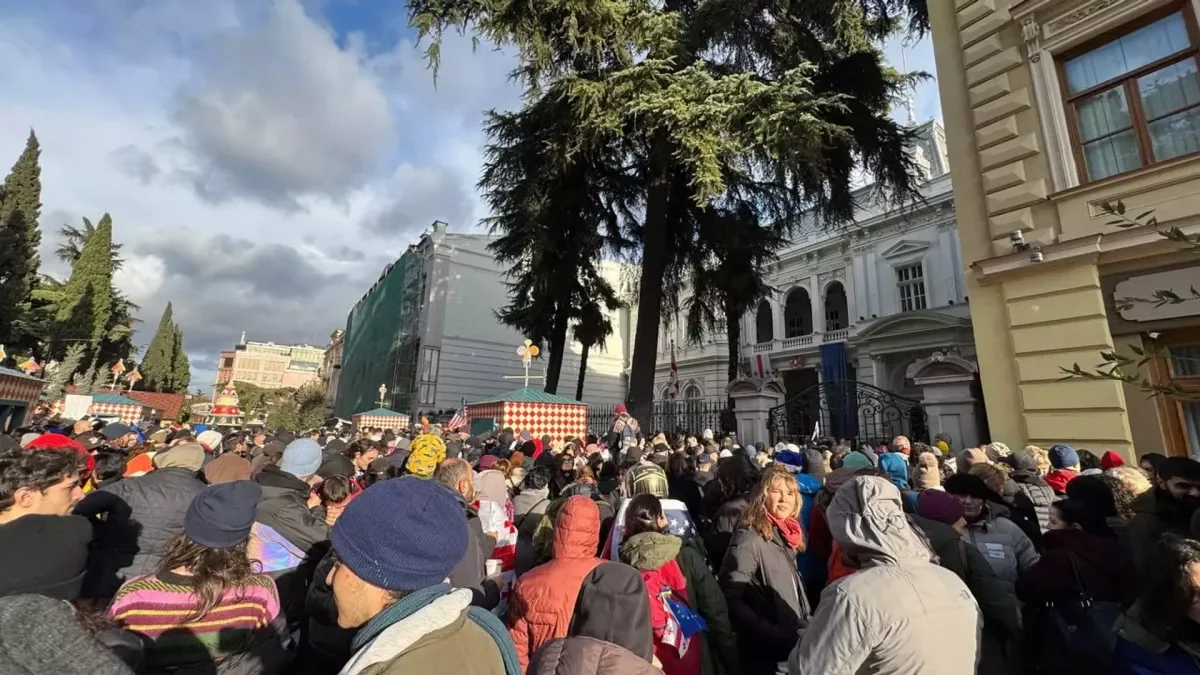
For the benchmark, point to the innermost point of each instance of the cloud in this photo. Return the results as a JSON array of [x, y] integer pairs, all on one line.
[[282, 112], [416, 196], [136, 163]]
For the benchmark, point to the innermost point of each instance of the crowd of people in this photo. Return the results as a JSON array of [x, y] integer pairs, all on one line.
[[371, 551]]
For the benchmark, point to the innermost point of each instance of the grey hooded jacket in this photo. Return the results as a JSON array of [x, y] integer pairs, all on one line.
[[900, 613]]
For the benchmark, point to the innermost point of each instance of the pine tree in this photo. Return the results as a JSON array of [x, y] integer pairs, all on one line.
[[62, 373], [87, 298], [20, 207], [181, 373], [158, 365]]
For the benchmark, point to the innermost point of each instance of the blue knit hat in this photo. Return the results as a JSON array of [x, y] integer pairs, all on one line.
[[403, 534], [1063, 456], [222, 515], [302, 457]]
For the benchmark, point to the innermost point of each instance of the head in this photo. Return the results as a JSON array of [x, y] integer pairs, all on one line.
[[1064, 457], [1134, 479], [1041, 458], [301, 458], [1179, 477], [362, 453], [334, 490], [109, 465], [42, 482], [644, 514], [1171, 598], [776, 495], [81, 427], [901, 444], [1077, 514], [972, 492], [942, 507], [680, 465], [536, 479], [971, 457], [736, 476], [400, 536], [457, 475], [1149, 463], [928, 473], [993, 476], [119, 435]]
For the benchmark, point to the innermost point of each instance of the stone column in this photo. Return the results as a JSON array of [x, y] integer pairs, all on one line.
[[753, 399], [950, 408]]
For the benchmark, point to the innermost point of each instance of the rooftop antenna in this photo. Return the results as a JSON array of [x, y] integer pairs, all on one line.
[[908, 88]]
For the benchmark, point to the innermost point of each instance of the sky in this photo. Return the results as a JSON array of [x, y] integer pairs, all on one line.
[[262, 160]]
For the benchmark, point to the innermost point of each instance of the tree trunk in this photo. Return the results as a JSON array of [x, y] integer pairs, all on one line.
[[733, 334], [558, 345], [650, 294], [582, 373]]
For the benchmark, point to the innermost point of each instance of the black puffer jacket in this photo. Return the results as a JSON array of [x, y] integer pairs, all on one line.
[[767, 604], [284, 508], [1029, 483], [134, 520]]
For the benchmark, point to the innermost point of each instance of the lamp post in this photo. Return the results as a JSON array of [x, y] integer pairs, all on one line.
[[383, 395]]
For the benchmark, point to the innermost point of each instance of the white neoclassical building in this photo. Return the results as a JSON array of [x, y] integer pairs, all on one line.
[[881, 303]]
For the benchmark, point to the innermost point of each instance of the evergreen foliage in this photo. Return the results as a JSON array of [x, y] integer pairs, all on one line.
[[85, 305], [158, 365], [20, 207], [181, 373]]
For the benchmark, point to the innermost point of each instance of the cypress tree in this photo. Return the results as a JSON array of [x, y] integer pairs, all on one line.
[[158, 366], [87, 298], [181, 372], [20, 206]]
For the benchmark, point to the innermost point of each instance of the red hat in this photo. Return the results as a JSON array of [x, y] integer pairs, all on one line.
[[1111, 459], [621, 408], [59, 442]]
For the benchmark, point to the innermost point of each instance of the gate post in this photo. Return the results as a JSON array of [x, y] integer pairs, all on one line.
[[753, 398], [950, 407]]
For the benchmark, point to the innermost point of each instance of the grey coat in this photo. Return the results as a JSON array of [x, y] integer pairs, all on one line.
[[900, 613], [1003, 544], [134, 520], [528, 508], [765, 595]]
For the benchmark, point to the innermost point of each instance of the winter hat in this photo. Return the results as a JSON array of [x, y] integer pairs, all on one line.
[[940, 506], [188, 456], [856, 460], [398, 459], [999, 449], [621, 409], [336, 465], [43, 635], [402, 535], [58, 441], [302, 457], [424, 455], [209, 439], [970, 485], [53, 554], [614, 606], [114, 431], [707, 435], [942, 447], [225, 469], [1111, 460], [725, 453], [1063, 457], [647, 479], [221, 515], [486, 462], [896, 467]]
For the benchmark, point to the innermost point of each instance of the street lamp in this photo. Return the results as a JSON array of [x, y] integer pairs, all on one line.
[[382, 395]]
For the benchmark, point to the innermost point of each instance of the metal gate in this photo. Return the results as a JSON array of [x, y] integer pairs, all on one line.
[[850, 410]]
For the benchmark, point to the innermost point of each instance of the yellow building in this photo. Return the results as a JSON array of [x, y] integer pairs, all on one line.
[[1054, 108]]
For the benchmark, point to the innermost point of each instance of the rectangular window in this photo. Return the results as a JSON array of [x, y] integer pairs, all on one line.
[[427, 391], [1135, 100], [911, 281], [1176, 364]]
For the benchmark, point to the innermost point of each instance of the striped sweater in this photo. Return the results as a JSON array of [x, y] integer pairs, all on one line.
[[155, 607]]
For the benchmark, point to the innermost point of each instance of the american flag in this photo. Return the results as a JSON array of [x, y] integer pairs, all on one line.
[[460, 416]]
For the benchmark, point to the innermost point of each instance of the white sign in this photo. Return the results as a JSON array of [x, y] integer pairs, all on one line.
[[76, 406]]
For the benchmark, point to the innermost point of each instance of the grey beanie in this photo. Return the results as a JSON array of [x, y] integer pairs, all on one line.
[[41, 635]]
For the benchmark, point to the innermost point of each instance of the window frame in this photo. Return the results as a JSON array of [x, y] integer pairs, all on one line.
[[1170, 411], [901, 284], [1128, 82]]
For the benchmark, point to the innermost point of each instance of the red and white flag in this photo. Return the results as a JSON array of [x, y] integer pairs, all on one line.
[[674, 389], [460, 417]]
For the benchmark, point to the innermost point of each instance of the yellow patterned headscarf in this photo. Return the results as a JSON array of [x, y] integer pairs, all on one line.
[[941, 446], [424, 455]]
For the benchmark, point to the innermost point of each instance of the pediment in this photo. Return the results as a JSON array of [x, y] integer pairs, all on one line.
[[904, 248]]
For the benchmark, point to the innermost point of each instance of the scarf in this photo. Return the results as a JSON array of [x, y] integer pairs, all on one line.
[[409, 604], [789, 529]]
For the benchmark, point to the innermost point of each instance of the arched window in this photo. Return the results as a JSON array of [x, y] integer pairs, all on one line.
[[836, 311], [691, 392], [797, 314], [764, 326]]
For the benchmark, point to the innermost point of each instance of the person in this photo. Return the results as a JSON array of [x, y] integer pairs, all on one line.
[[726, 499], [335, 493], [896, 467], [471, 571], [1028, 482], [1149, 463], [764, 590], [42, 634], [1064, 461], [1167, 509], [1007, 549], [649, 479], [940, 517], [901, 445], [624, 428], [542, 600], [588, 656], [614, 606], [361, 454], [1016, 506], [393, 548], [529, 505], [1134, 479], [669, 567], [136, 518], [227, 468], [425, 454], [205, 606], [900, 613], [495, 515], [682, 485], [927, 475], [287, 537], [1158, 633], [119, 436], [46, 548]]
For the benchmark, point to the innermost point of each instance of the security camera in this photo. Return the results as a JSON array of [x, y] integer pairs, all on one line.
[[1018, 241], [1036, 256]]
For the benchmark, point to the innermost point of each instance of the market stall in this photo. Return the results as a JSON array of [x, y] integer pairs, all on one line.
[[381, 418], [532, 410], [18, 396]]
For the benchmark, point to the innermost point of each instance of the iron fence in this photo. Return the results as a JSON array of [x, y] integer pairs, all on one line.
[[848, 410], [682, 416]]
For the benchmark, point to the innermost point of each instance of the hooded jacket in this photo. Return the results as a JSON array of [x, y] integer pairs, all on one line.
[[613, 606], [1007, 549], [588, 656], [900, 613], [543, 600], [653, 554], [140, 515], [287, 538], [1058, 479], [1155, 513], [1029, 483]]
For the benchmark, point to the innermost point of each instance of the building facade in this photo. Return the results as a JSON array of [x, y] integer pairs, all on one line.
[[268, 365], [331, 368], [881, 302], [1055, 109], [427, 331]]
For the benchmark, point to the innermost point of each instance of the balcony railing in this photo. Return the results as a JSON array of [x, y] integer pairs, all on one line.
[[764, 346], [798, 341], [836, 335], [802, 341]]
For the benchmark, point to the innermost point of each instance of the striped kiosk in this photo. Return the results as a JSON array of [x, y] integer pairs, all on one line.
[[381, 418], [115, 405], [18, 396], [532, 410]]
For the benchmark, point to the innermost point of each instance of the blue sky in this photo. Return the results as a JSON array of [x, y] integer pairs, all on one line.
[[262, 159]]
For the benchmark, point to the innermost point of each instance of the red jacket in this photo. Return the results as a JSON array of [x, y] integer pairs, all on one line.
[[1059, 478], [669, 576], [543, 600]]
